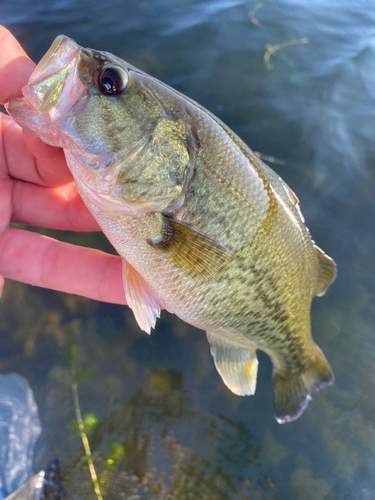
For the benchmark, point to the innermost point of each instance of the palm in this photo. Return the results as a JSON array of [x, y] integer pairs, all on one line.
[[37, 189]]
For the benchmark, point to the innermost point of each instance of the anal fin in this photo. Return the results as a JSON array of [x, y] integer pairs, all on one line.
[[238, 367], [140, 298], [326, 271]]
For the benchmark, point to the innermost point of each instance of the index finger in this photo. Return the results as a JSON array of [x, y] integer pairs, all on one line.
[[15, 66]]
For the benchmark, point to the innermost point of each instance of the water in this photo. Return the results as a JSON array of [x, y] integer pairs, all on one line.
[[159, 409]]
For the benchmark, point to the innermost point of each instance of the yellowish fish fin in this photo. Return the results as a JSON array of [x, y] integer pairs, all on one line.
[[192, 251], [291, 194], [326, 272], [237, 367], [292, 198], [291, 392], [140, 298]]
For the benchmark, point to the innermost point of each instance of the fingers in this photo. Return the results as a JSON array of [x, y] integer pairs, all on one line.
[[42, 261], [15, 66], [50, 161], [30, 257], [49, 166], [27, 158], [54, 208]]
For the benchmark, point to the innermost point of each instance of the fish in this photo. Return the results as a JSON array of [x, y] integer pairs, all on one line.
[[205, 229]]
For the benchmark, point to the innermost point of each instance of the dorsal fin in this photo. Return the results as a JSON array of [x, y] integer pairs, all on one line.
[[293, 198], [291, 194], [140, 298], [238, 367], [326, 272]]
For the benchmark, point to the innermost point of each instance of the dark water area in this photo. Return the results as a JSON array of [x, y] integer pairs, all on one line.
[[163, 424]]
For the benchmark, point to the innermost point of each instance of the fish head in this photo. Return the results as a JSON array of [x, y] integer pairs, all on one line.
[[118, 127]]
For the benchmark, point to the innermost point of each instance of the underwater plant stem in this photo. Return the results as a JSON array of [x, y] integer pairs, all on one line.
[[85, 442], [271, 49], [254, 10]]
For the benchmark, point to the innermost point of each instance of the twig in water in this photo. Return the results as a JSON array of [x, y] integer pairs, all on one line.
[[85, 442], [270, 159], [81, 427], [271, 49], [254, 10]]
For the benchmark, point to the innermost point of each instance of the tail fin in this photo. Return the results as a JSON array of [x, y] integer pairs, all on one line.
[[292, 391]]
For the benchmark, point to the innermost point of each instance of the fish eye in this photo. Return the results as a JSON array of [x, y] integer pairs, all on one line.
[[111, 80]]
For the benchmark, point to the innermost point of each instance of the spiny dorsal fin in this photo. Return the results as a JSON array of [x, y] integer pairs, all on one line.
[[292, 198], [237, 367], [326, 272], [192, 251], [291, 194], [140, 298]]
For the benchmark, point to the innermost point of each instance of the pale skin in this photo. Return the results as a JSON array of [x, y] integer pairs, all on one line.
[[37, 189]]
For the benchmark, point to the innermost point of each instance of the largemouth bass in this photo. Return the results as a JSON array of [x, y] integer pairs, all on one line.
[[206, 230]]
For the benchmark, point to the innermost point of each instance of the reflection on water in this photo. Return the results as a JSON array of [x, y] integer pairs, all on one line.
[[162, 413]]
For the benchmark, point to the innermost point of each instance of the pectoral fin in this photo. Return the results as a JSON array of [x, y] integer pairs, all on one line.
[[192, 251], [326, 272], [237, 367], [140, 298]]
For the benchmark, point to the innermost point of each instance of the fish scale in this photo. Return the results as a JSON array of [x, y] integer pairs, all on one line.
[[204, 227]]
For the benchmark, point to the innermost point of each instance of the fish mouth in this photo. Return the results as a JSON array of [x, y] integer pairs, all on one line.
[[53, 89], [62, 51], [49, 78]]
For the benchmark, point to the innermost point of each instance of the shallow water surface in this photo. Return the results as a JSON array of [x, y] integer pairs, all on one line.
[[161, 423]]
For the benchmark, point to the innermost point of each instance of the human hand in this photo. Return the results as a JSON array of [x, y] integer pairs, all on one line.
[[37, 189]]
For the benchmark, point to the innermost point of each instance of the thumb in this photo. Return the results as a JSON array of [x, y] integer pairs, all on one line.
[[15, 66]]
